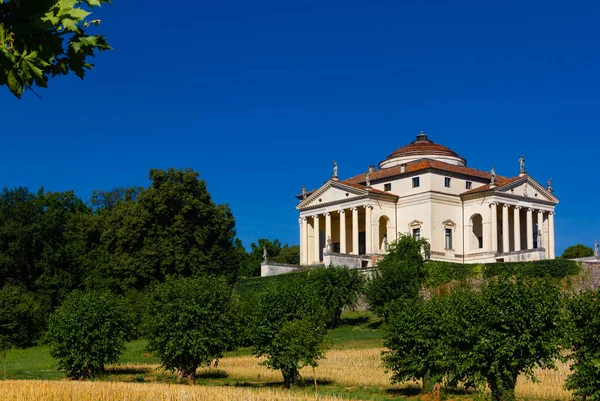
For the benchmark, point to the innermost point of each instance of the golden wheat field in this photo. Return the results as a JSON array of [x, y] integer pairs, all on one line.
[[344, 368]]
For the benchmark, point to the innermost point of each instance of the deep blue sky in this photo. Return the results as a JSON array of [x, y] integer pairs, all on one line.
[[260, 97]]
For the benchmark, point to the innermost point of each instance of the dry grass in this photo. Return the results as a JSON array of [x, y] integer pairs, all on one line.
[[348, 369], [109, 391]]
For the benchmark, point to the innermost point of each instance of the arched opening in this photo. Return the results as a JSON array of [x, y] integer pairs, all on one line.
[[384, 223], [477, 232]]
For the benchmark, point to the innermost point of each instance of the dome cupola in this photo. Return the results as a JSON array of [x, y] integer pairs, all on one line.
[[422, 148]]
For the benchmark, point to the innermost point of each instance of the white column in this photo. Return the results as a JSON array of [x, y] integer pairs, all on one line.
[[342, 231], [368, 229], [540, 222], [517, 228], [328, 229], [505, 227], [317, 246], [529, 228], [354, 231], [494, 218], [551, 235], [302, 240]]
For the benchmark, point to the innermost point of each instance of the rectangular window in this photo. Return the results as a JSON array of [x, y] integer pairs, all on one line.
[[469, 184], [447, 182], [448, 238], [387, 187], [417, 233], [416, 182]]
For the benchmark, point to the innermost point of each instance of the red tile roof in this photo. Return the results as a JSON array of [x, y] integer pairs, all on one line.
[[500, 181], [423, 146], [358, 186], [422, 164]]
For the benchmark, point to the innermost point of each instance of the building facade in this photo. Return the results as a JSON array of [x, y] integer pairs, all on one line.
[[427, 190]]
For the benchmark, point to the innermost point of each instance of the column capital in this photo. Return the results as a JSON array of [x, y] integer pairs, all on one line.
[[368, 207], [342, 211], [328, 214], [355, 209], [505, 205], [517, 207]]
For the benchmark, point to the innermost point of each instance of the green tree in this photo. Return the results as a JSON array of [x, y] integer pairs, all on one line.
[[288, 328], [191, 322], [171, 228], [584, 313], [412, 337], [88, 331], [276, 252], [19, 319], [577, 251], [40, 39], [398, 275], [338, 288], [511, 327]]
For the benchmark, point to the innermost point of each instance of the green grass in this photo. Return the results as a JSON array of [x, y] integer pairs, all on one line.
[[357, 330]]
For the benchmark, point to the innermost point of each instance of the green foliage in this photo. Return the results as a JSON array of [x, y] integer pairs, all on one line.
[[398, 275], [288, 328], [512, 326], [40, 39], [19, 318], [557, 268], [275, 252], [191, 322], [438, 273], [171, 228], [338, 288], [412, 337], [577, 251], [584, 313], [88, 331]]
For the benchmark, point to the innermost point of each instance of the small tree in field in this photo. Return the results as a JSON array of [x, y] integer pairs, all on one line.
[[191, 322], [288, 328], [412, 337], [338, 288], [584, 313], [398, 275], [88, 331], [19, 318], [513, 326]]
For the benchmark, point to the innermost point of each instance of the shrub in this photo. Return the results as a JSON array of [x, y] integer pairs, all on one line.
[[438, 273], [191, 322], [584, 313], [288, 328], [338, 288], [512, 326], [88, 331], [398, 275]]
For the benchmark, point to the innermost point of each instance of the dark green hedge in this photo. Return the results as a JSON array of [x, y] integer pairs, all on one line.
[[257, 284], [540, 268], [438, 273]]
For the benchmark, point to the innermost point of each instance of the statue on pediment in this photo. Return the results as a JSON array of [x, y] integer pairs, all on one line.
[[596, 248], [265, 254], [522, 163], [550, 185], [335, 169], [493, 182], [303, 192]]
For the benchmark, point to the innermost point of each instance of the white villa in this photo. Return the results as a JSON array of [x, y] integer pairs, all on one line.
[[427, 190]]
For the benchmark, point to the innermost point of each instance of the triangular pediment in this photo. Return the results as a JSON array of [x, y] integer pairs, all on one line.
[[331, 192], [527, 187]]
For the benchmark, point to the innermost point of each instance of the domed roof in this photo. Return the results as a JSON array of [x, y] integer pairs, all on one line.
[[422, 148]]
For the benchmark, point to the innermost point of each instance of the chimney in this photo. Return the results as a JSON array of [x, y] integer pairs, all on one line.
[[403, 168], [371, 169]]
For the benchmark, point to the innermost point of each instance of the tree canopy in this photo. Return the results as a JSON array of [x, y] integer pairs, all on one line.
[[40, 39], [191, 322], [577, 251]]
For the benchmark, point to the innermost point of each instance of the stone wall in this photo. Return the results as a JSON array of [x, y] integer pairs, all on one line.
[[589, 278]]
